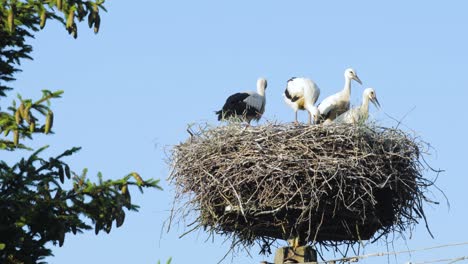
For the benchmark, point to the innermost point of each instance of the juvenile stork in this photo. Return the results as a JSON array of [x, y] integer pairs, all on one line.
[[359, 114], [336, 104], [301, 94], [247, 106]]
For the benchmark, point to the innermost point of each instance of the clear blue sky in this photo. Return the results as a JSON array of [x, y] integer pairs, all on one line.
[[156, 66]]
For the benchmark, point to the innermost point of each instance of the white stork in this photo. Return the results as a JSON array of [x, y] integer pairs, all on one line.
[[301, 94], [359, 114], [248, 105], [336, 104]]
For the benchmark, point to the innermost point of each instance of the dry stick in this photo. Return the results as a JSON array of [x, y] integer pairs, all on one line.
[[277, 209], [318, 227], [239, 199], [190, 231]]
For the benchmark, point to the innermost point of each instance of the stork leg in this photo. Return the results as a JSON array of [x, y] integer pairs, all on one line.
[[310, 118], [295, 118]]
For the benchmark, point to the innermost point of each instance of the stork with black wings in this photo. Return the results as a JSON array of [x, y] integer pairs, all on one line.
[[247, 106]]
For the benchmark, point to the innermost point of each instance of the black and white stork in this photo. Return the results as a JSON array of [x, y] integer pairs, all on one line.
[[247, 106], [301, 94]]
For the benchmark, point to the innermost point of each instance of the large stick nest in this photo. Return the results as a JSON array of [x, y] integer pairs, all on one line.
[[322, 184]]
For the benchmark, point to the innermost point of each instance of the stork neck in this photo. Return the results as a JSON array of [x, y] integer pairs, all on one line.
[[261, 91], [365, 103], [347, 86]]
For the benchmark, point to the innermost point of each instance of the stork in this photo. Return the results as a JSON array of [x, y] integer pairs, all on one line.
[[248, 105], [336, 104], [301, 94], [359, 114]]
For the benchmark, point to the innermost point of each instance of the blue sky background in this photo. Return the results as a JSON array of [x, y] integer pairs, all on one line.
[[156, 66]]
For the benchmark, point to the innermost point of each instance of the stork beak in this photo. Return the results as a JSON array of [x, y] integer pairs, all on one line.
[[356, 78], [376, 102]]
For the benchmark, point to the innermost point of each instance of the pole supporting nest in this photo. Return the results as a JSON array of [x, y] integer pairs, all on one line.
[[295, 255]]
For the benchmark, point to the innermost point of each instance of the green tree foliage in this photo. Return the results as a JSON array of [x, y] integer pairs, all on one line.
[[20, 19], [167, 262], [42, 199]]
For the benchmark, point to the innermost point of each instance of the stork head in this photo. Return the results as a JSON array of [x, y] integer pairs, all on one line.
[[314, 112], [352, 75], [372, 96], [261, 85]]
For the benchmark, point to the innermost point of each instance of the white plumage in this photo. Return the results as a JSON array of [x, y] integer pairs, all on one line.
[[301, 94], [338, 103], [247, 105], [361, 113]]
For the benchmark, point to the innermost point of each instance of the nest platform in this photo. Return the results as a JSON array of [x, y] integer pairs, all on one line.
[[322, 184]]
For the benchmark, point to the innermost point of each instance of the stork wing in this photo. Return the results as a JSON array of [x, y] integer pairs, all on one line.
[[352, 116], [314, 90], [327, 104], [256, 101], [295, 88]]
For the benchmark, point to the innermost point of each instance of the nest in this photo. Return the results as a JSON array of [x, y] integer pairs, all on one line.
[[320, 184]]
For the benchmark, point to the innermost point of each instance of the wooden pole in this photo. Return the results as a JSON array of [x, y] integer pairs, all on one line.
[[295, 253]]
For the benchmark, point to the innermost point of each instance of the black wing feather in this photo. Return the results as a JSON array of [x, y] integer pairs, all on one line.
[[235, 106], [288, 95]]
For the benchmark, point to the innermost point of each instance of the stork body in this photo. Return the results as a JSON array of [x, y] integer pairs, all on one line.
[[336, 104], [247, 106], [361, 113], [301, 94]]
